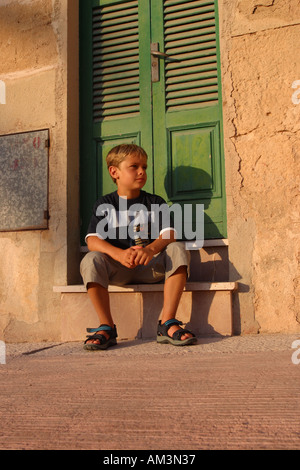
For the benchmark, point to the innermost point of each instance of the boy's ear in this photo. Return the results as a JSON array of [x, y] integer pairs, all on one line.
[[113, 171]]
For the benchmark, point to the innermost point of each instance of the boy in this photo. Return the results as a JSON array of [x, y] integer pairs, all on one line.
[[121, 250]]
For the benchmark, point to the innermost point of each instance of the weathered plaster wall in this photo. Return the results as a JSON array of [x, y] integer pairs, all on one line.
[[260, 62], [259, 51], [34, 68]]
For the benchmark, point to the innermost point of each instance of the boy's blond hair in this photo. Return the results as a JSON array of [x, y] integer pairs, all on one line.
[[118, 154]]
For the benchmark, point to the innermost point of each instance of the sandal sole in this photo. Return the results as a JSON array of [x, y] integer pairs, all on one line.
[[176, 342], [99, 347]]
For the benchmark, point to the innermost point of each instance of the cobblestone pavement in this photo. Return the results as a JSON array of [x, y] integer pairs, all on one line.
[[223, 393]]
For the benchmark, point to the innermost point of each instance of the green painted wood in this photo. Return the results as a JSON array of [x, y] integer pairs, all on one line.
[[178, 120], [187, 110], [115, 91]]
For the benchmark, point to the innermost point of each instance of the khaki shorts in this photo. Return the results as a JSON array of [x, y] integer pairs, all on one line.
[[102, 269]]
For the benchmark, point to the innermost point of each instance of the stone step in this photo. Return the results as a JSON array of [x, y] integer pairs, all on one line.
[[205, 307]]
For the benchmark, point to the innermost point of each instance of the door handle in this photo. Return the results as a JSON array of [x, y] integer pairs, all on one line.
[[160, 54], [156, 55]]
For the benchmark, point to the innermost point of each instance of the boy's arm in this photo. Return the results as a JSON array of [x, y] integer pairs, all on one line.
[[167, 237], [123, 256], [144, 255]]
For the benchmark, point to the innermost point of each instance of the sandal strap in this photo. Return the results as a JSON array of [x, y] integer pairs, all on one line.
[[101, 338], [164, 327], [112, 332], [177, 334], [100, 328], [172, 322]]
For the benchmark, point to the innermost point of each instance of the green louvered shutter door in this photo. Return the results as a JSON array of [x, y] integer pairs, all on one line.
[[187, 112], [115, 89], [116, 92], [191, 82], [178, 119]]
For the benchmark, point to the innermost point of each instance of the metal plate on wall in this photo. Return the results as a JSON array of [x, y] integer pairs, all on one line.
[[24, 181]]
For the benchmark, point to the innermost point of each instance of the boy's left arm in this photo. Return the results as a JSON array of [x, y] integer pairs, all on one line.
[[143, 255]]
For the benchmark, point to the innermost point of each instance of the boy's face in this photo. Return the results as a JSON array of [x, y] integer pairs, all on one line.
[[131, 175]]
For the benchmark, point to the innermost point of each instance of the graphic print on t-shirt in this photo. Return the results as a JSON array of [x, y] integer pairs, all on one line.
[[125, 223]]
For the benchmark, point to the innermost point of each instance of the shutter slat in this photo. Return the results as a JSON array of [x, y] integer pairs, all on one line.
[[179, 5], [198, 91], [173, 4], [198, 75], [103, 32], [112, 49], [209, 23], [123, 76], [193, 34], [190, 58], [186, 106], [175, 49], [101, 113], [205, 66], [193, 99], [103, 42], [192, 84], [106, 98], [108, 84], [121, 7], [115, 68], [188, 22], [190, 37], [189, 42], [180, 13], [121, 22], [122, 103], [115, 61], [115, 90], [122, 28]]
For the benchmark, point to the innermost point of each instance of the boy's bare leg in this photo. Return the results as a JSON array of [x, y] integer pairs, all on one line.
[[173, 289], [100, 299]]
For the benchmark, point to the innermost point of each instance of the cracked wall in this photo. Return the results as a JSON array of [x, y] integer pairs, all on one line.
[[260, 51], [34, 67]]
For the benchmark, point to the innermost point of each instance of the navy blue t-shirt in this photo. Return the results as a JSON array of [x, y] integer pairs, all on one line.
[[127, 222]]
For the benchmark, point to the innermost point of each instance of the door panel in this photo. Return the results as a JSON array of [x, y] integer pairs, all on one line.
[[188, 153], [115, 91], [177, 119]]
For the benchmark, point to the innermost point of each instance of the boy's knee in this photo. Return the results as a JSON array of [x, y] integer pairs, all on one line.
[[93, 269], [176, 257], [92, 258], [176, 249]]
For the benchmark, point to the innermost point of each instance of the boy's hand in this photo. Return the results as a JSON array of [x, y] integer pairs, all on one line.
[[126, 258], [141, 255]]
